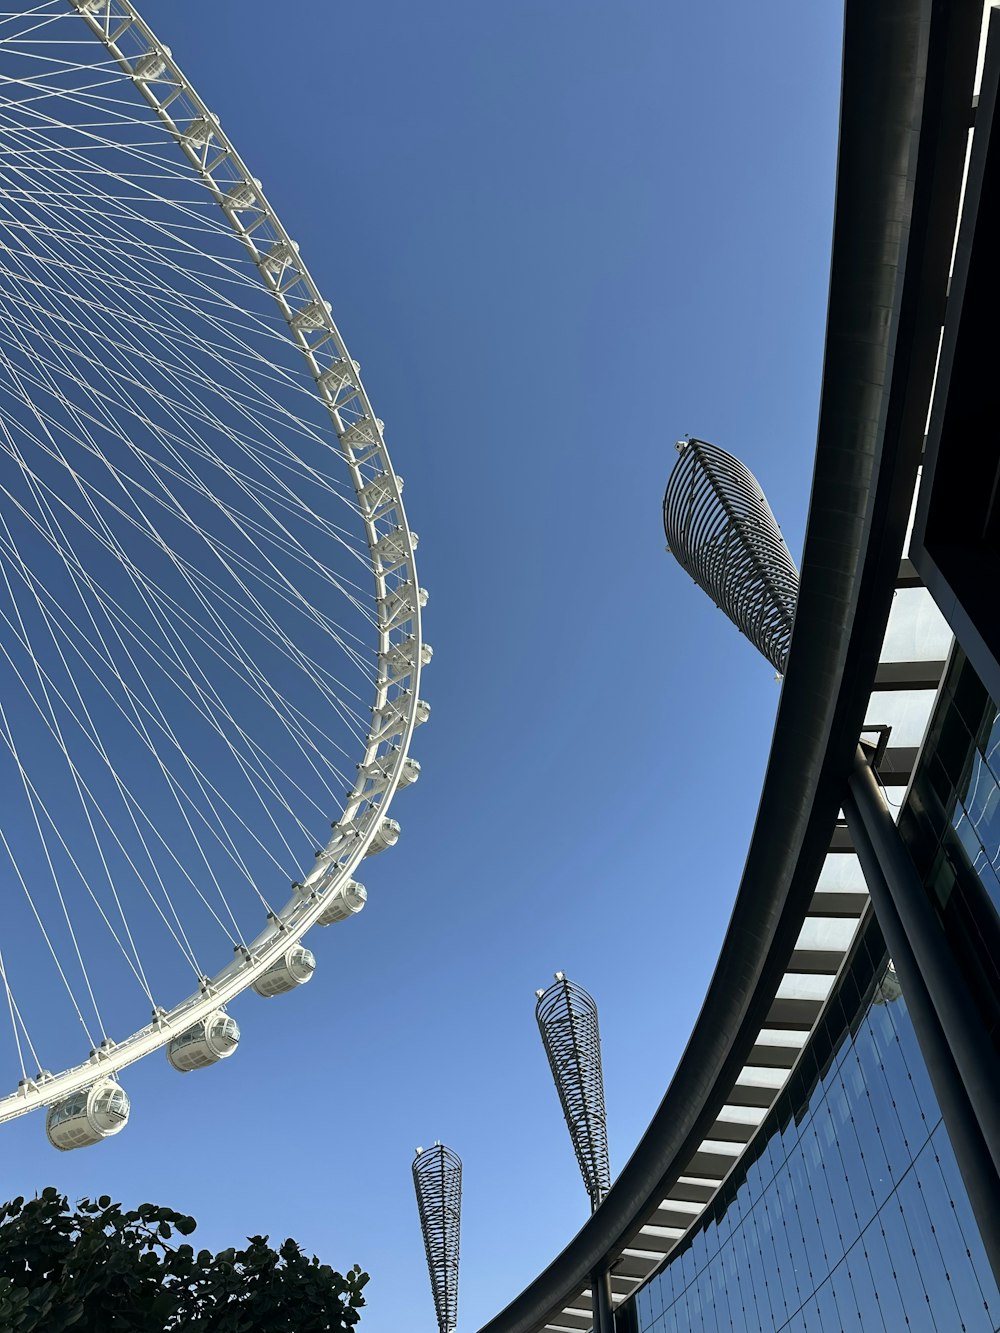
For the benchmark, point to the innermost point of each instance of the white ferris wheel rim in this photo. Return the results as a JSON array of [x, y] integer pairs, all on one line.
[[152, 70]]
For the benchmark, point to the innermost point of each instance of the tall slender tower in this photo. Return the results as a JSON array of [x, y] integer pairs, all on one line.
[[720, 529], [567, 1020], [437, 1179]]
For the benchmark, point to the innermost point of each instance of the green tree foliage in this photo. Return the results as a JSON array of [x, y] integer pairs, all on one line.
[[99, 1268]]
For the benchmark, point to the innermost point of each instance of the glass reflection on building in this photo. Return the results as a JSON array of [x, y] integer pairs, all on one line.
[[851, 1213], [951, 825]]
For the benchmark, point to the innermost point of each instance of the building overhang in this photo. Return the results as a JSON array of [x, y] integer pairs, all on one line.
[[956, 534], [907, 78]]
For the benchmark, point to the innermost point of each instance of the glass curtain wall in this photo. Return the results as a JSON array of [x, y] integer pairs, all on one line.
[[851, 1214], [951, 825]]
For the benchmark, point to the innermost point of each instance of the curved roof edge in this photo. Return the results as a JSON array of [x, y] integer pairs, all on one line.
[[904, 111]]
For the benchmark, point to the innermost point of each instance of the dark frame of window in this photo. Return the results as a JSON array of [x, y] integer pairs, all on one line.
[[955, 545]]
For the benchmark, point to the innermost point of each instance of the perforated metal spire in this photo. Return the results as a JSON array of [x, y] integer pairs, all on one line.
[[437, 1179], [721, 530], [567, 1020]]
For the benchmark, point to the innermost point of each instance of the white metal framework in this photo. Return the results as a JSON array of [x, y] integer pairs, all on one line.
[[168, 525]]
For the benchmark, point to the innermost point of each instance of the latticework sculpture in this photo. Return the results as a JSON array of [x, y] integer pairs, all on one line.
[[567, 1020], [437, 1179], [721, 530]]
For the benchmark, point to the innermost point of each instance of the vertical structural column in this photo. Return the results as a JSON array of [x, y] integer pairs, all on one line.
[[960, 1057], [604, 1315], [721, 530]]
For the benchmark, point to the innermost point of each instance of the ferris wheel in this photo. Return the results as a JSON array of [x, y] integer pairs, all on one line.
[[210, 618]]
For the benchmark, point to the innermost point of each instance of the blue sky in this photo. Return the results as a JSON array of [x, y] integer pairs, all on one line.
[[556, 237]]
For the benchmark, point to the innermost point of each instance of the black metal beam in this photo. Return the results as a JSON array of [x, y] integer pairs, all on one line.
[[908, 576], [600, 1290], [956, 533], [909, 675], [960, 1057]]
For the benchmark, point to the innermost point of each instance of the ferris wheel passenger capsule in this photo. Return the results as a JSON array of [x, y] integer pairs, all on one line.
[[362, 432], [211, 1039], [343, 903], [294, 968], [87, 1116], [339, 376], [200, 131], [151, 65], [386, 836], [390, 550], [401, 657], [242, 195], [311, 316], [196, 1032], [280, 254], [378, 493], [400, 605], [377, 773]]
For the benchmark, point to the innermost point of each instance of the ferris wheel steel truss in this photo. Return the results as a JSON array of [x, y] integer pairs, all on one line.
[[397, 707]]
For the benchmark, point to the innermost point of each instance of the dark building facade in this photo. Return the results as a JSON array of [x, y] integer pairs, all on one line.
[[827, 1154], [849, 1212]]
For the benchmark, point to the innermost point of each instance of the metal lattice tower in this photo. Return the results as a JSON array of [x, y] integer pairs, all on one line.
[[437, 1179], [721, 530], [567, 1020]]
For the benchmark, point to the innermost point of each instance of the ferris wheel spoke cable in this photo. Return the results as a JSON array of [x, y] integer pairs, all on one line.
[[105, 226], [245, 525], [33, 804], [52, 952], [227, 555], [230, 554], [133, 961], [53, 722], [104, 220], [151, 647], [170, 335], [144, 735], [280, 494], [112, 667], [311, 666], [267, 451], [93, 735], [189, 617], [26, 13], [206, 786], [255, 413], [131, 804], [195, 807], [185, 388], [64, 749], [110, 208], [286, 535], [196, 576], [18, 1026]]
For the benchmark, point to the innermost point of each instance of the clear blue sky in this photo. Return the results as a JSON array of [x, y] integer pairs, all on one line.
[[557, 236]]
